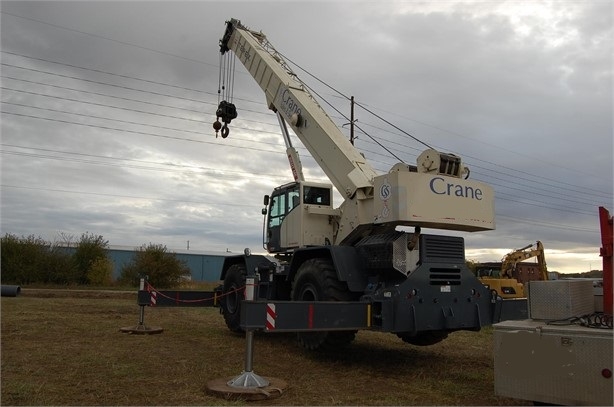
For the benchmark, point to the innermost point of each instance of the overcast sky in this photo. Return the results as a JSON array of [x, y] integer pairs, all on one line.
[[107, 112]]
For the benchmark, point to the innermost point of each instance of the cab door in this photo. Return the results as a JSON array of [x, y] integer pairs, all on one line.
[[281, 202]]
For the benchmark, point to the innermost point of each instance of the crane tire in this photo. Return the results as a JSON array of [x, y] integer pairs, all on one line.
[[232, 296], [425, 338], [316, 280]]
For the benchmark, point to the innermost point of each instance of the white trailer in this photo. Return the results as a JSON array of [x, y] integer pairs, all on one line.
[[553, 364]]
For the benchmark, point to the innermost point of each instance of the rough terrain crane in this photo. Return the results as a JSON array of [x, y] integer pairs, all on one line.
[[335, 262]]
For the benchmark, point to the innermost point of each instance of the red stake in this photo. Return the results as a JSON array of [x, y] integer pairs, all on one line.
[[605, 221]]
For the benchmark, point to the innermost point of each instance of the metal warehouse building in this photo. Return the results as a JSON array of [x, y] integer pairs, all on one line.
[[204, 266]]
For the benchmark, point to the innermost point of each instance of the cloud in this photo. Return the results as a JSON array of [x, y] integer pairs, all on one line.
[[108, 110]]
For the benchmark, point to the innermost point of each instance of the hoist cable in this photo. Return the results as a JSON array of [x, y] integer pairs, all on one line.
[[232, 80], [219, 81]]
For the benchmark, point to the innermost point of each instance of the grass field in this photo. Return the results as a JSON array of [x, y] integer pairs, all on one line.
[[65, 348]]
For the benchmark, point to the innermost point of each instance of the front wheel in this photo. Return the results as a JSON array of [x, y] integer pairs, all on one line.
[[316, 280], [233, 293]]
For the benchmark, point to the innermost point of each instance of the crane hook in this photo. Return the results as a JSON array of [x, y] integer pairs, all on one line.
[[225, 111], [225, 130]]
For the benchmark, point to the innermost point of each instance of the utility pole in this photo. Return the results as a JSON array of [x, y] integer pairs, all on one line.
[[352, 120]]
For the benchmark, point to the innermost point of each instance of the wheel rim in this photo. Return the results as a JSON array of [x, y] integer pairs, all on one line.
[[309, 293]]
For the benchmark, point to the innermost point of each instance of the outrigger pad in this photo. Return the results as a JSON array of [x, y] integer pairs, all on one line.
[[141, 330], [220, 388]]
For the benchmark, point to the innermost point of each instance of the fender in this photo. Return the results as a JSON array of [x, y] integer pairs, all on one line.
[[252, 263], [346, 260]]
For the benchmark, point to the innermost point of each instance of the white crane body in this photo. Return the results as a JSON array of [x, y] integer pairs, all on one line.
[[418, 285], [425, 198]]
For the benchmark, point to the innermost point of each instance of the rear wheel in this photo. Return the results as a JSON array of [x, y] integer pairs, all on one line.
[[233, 295], [316, 280], [425, 338]]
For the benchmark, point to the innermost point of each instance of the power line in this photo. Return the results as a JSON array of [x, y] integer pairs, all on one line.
[[595, 192], [202, 62], [134, 132], [55, 110], [488, 173], [126, 121], [106, 72], [515, 220], [548, 224], [190, 167], [195, 132], [167, 128], [99, 83], [129, 99], [108, 39], [545, 204], [117, 161], [363, 106], [148, 81], [66, 191], [203, 122], [140, 90]]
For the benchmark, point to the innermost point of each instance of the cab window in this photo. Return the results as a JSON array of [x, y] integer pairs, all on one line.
[[316, 196]]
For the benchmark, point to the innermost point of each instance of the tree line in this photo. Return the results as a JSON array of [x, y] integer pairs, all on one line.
[[32, 260]]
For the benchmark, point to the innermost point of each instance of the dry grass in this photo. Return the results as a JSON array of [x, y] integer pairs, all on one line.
[[61, 348]]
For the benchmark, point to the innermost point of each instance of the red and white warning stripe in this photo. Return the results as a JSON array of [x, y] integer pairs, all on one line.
[[271, 315], [153, 298]]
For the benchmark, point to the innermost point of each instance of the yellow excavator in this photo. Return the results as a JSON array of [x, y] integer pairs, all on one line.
[[506, 283]]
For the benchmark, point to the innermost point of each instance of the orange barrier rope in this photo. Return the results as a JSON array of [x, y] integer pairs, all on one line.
[[151, 288]]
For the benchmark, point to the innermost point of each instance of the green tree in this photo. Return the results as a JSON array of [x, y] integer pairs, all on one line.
[[90, 249], [23, 259], [101, 272], [27, 260], [59, 266], [162, 268]]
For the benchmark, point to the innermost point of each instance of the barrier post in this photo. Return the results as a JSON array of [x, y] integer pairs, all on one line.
[[249, 379], [248, 385], [606, 251], [143, 299]]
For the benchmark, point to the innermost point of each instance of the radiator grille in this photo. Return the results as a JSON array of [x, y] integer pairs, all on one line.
[[447, 249], [441, 276]]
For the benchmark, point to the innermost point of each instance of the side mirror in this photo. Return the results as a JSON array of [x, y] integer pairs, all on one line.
[[266, 200], [264, 211]]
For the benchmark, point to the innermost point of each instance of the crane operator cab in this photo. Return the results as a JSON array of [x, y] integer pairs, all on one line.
[[298, 214]]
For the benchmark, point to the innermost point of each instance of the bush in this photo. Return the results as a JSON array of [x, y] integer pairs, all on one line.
[[23, 259], [163, 269], [101, 272], [27, 260], [90, 249], [59, 267]]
